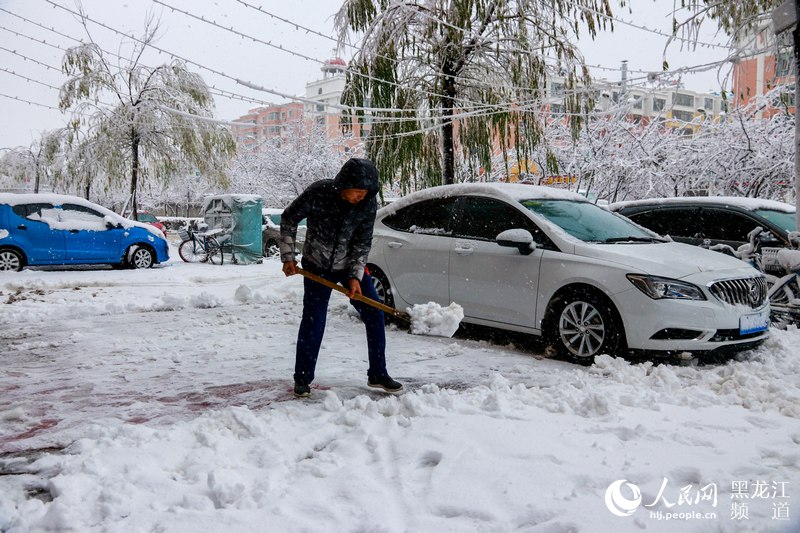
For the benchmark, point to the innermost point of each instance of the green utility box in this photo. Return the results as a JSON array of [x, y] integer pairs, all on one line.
[[239, 218]]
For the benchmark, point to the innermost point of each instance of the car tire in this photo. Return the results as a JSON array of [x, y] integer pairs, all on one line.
[[381, 284], [11, 260], [581, 324], [272, 249], [141, 257]]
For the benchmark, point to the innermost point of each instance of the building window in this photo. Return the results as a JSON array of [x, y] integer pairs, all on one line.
[[556, 109], [637, 102], [615, 96], [708, 104], [556, 89], [274, 129], [321, 121], [319, 91], [684, 99], [659, 104], [785, 64], [685, 116], [273, 115], [320, 108]]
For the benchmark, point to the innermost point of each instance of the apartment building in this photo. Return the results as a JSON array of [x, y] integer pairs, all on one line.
[[267, 123], [767, 62], [326, 110], [675, 107]]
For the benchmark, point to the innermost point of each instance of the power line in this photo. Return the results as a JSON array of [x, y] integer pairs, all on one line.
[[29, 79], [26, 58], [28, 102]]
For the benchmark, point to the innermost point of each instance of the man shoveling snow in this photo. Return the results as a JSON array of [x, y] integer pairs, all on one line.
[[340, 214]]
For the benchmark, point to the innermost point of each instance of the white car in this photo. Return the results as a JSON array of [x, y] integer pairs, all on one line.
[[271, 232], [549, 262]]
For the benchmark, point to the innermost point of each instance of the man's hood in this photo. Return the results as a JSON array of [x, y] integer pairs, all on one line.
[[358, 174]]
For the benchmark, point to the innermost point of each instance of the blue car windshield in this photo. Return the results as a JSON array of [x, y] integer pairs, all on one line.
[[781, 219], [588, 222]]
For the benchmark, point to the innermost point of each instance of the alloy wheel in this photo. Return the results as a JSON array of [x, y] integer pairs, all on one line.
[[581, 329]]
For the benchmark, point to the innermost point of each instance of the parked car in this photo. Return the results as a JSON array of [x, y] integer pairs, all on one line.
[[49, 229], [271, 232], [549, 262], [149, 218], [711, 220]]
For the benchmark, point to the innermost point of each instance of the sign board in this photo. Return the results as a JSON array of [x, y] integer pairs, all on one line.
[[784, 17]]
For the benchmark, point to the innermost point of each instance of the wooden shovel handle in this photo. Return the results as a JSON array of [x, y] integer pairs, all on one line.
[[360, 297]]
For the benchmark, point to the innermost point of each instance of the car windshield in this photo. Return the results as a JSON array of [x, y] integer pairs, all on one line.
[[588, 222], [782, 219], [147, 217]]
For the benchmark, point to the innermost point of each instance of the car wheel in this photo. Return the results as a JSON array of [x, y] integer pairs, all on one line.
[[11, 260], [583, 324], [381, 284], [141, 258], [272, 249]]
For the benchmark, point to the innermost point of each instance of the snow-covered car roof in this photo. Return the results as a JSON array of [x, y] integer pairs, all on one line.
[[511, 192], [749, 204], [60, 199]]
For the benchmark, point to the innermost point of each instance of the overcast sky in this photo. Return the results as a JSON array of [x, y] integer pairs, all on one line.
[[222, 50]]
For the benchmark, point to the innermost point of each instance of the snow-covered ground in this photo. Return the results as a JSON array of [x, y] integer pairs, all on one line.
[[160, 400]]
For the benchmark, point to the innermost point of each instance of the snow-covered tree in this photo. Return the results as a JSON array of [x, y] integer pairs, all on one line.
[[153, 127], [455, 77], [40, 162], [280, 169]]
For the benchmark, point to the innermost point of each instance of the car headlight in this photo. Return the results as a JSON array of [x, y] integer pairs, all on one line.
[[658, 288]]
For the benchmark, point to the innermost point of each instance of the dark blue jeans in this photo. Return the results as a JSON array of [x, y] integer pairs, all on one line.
[[312, 326]]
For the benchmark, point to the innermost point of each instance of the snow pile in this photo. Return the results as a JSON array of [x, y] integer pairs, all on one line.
[[433, 319]]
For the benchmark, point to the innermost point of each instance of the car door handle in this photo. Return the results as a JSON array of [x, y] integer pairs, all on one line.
[[394, 244], [465, 250], [74, 231], [22, 226]]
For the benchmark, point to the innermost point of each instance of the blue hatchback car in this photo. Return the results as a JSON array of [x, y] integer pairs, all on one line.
[[50, 229]]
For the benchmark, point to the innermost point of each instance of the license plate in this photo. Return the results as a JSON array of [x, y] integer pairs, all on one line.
[[753, 323]]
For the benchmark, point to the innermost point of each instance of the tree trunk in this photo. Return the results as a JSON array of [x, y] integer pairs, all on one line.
[[134, 173], [36, 181], [448, 138], [86, 189]]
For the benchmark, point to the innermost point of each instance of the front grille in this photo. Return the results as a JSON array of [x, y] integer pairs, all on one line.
[[751, 292]]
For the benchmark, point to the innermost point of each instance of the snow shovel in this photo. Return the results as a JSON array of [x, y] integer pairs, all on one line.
[[425, 319], [360, 297]]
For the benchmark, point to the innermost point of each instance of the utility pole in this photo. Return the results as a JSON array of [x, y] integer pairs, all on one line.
[[784, 18]]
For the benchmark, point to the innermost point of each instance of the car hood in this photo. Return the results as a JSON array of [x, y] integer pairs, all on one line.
[[670, 259]]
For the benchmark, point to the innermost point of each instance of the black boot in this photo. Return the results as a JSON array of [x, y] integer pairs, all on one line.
[[386, 383]]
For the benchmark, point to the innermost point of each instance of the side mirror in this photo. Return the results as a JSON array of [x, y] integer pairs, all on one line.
[[517, 238]]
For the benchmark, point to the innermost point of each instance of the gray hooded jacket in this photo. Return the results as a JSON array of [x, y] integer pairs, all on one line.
[[339, 234]]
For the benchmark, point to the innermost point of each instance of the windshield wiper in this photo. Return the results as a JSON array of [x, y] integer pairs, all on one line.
[[632, 239]]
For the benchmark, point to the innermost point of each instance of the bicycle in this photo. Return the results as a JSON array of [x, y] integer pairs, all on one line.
[[200, 247], [784, 291]]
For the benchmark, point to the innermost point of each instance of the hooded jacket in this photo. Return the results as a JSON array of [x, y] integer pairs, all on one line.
[[339, 234]]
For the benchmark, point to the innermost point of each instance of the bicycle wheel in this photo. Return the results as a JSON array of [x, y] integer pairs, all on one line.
[[214, 251], [192, 251]]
